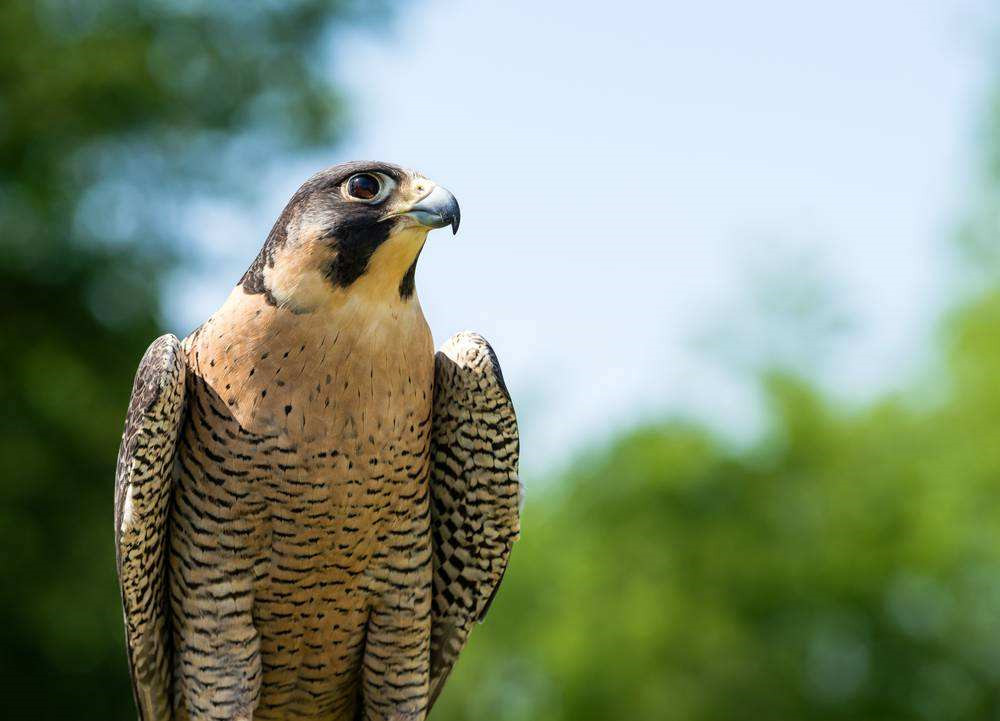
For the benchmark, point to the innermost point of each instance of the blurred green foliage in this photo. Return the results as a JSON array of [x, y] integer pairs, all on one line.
[[847, 566]]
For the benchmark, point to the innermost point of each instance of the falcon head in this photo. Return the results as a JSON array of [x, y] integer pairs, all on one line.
[[353, 230]]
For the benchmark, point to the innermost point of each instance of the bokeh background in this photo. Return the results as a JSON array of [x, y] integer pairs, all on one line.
[[741, 263]]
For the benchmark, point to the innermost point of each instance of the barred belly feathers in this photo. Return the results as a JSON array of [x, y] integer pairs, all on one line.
[[312, 509]]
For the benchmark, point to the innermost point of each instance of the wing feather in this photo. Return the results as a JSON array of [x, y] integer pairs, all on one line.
[[143, 486], [475, 494]]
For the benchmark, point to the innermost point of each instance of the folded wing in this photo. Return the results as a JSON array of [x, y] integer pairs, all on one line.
[[475, 494], [143, 485]]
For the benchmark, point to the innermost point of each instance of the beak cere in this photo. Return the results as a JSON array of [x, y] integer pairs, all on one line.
[[437, 209]]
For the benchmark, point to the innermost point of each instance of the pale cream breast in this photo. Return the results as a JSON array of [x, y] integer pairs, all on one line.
[[326, 443], [307, 375], [300, 525]]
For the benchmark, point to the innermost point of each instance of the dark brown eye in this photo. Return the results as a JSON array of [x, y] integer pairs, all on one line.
[[363, 186]]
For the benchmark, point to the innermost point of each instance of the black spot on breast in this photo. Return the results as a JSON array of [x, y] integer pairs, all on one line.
[[288, 409]]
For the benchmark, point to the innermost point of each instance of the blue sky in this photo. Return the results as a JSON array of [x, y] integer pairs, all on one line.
[[629, 171]]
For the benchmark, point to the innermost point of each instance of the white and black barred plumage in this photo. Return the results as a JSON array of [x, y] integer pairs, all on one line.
[[475, 493], [143, 489]]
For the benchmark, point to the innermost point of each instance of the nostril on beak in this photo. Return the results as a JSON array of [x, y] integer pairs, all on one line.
[[436, 210]]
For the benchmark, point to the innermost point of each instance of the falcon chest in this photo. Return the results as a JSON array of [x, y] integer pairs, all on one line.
[[303, 478]]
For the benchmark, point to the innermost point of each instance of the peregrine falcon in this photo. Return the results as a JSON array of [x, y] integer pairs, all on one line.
[[312, 508]]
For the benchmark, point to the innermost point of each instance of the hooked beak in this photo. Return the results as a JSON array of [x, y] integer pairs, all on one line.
[[436, 210]]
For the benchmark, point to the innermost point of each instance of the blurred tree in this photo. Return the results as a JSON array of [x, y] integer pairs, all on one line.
[[112, 113], [847, 566]]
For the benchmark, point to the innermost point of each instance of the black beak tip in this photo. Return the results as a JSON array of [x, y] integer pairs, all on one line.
[[437, 209]]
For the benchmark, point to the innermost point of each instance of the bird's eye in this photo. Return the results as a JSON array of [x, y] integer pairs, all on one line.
[[363, 186]]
